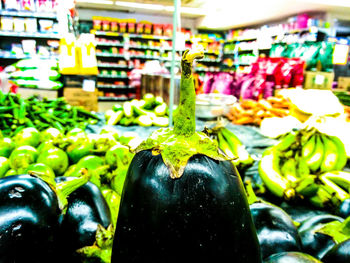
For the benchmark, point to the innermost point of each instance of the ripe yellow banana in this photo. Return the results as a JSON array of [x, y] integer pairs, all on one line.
[[270, 174], [330, 158], [342, 157], [315, 160]]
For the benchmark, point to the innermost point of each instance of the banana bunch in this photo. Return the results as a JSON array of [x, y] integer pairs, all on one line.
[[296, 166], [232, 146]]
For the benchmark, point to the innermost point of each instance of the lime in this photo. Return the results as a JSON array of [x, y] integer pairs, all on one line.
[[50, 134]]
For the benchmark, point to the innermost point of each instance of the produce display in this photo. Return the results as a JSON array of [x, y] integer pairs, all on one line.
[[84, 175], [308, 164], [252, 112], [183, 199], [151, 110], [17, 113]]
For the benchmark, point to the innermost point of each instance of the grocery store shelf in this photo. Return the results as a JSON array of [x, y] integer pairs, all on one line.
[[144, 47], [117, 34], [113, 99], [110, 55], [48, 35], [206, 70], [114, 87], [106, 65], [210, 60], [112, 76], [9, 55], [107, 44], [28, 14], [145, 57]]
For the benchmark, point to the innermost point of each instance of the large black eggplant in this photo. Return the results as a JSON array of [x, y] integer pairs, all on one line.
[[183, 200], [291, 257], [86, 210], [29, 219], [340, 253], [275, 228]]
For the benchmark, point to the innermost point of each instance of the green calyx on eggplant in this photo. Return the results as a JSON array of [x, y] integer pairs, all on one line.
[[320, 233], [182, 199], [87, 222], [291, 257], [31, 210]]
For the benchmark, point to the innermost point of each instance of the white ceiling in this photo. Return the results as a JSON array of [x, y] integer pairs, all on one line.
[[225, 14]]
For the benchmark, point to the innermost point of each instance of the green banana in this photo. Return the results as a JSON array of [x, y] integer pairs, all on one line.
[[330, 158], [340, 178], [303, 169], [342, 157], [338, 194], [314, 161], [236, 146], [287, 141], [289, 170], [307, 186], [308, 147], [270, 174], [224, 146]]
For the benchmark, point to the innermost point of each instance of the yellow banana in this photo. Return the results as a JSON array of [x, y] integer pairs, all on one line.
[[314, 161], [342, 157], [271, 176], [309, 147], [330, 158]]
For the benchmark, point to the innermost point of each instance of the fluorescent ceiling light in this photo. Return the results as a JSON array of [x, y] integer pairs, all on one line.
[[139, 5], [103, 2], [341, 3]]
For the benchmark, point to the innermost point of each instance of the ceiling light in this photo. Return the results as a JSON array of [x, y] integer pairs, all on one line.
[[342, 3], [139, 5], [103, 2]]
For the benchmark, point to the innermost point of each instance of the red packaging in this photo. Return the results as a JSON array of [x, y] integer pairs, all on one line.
[[147, 28], [106, 25], [122, 27], [97, 24], [28, 5], [114, 26], [168, 30], [139, 28], [131, 27], [157, 29]]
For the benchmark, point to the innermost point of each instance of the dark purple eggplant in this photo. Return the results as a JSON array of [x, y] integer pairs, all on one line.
[[29, 219], [275, 228], [340, 253], [183, 200], [86, 210]]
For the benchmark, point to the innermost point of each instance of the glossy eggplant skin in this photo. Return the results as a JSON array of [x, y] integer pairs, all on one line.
[[29, 220], [340, 253], [275, 228], [315, 243], [291, 257], [203, 216], [86, 209]]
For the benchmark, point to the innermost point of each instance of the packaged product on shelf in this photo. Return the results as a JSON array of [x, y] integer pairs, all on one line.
[[68, 60], [96, 23], [44, 6], [106, 25], [18, 24], [29, 46], [6, 23], [139, 28], [114, 25], [168, 30], [122, 25], [45, 25], [87, 55], [147, 27], [12, 4], [30, 25], [131, 26], [28, 5], [157, 29]]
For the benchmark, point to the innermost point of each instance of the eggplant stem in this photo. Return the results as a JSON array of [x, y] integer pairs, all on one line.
[[184, 117]]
